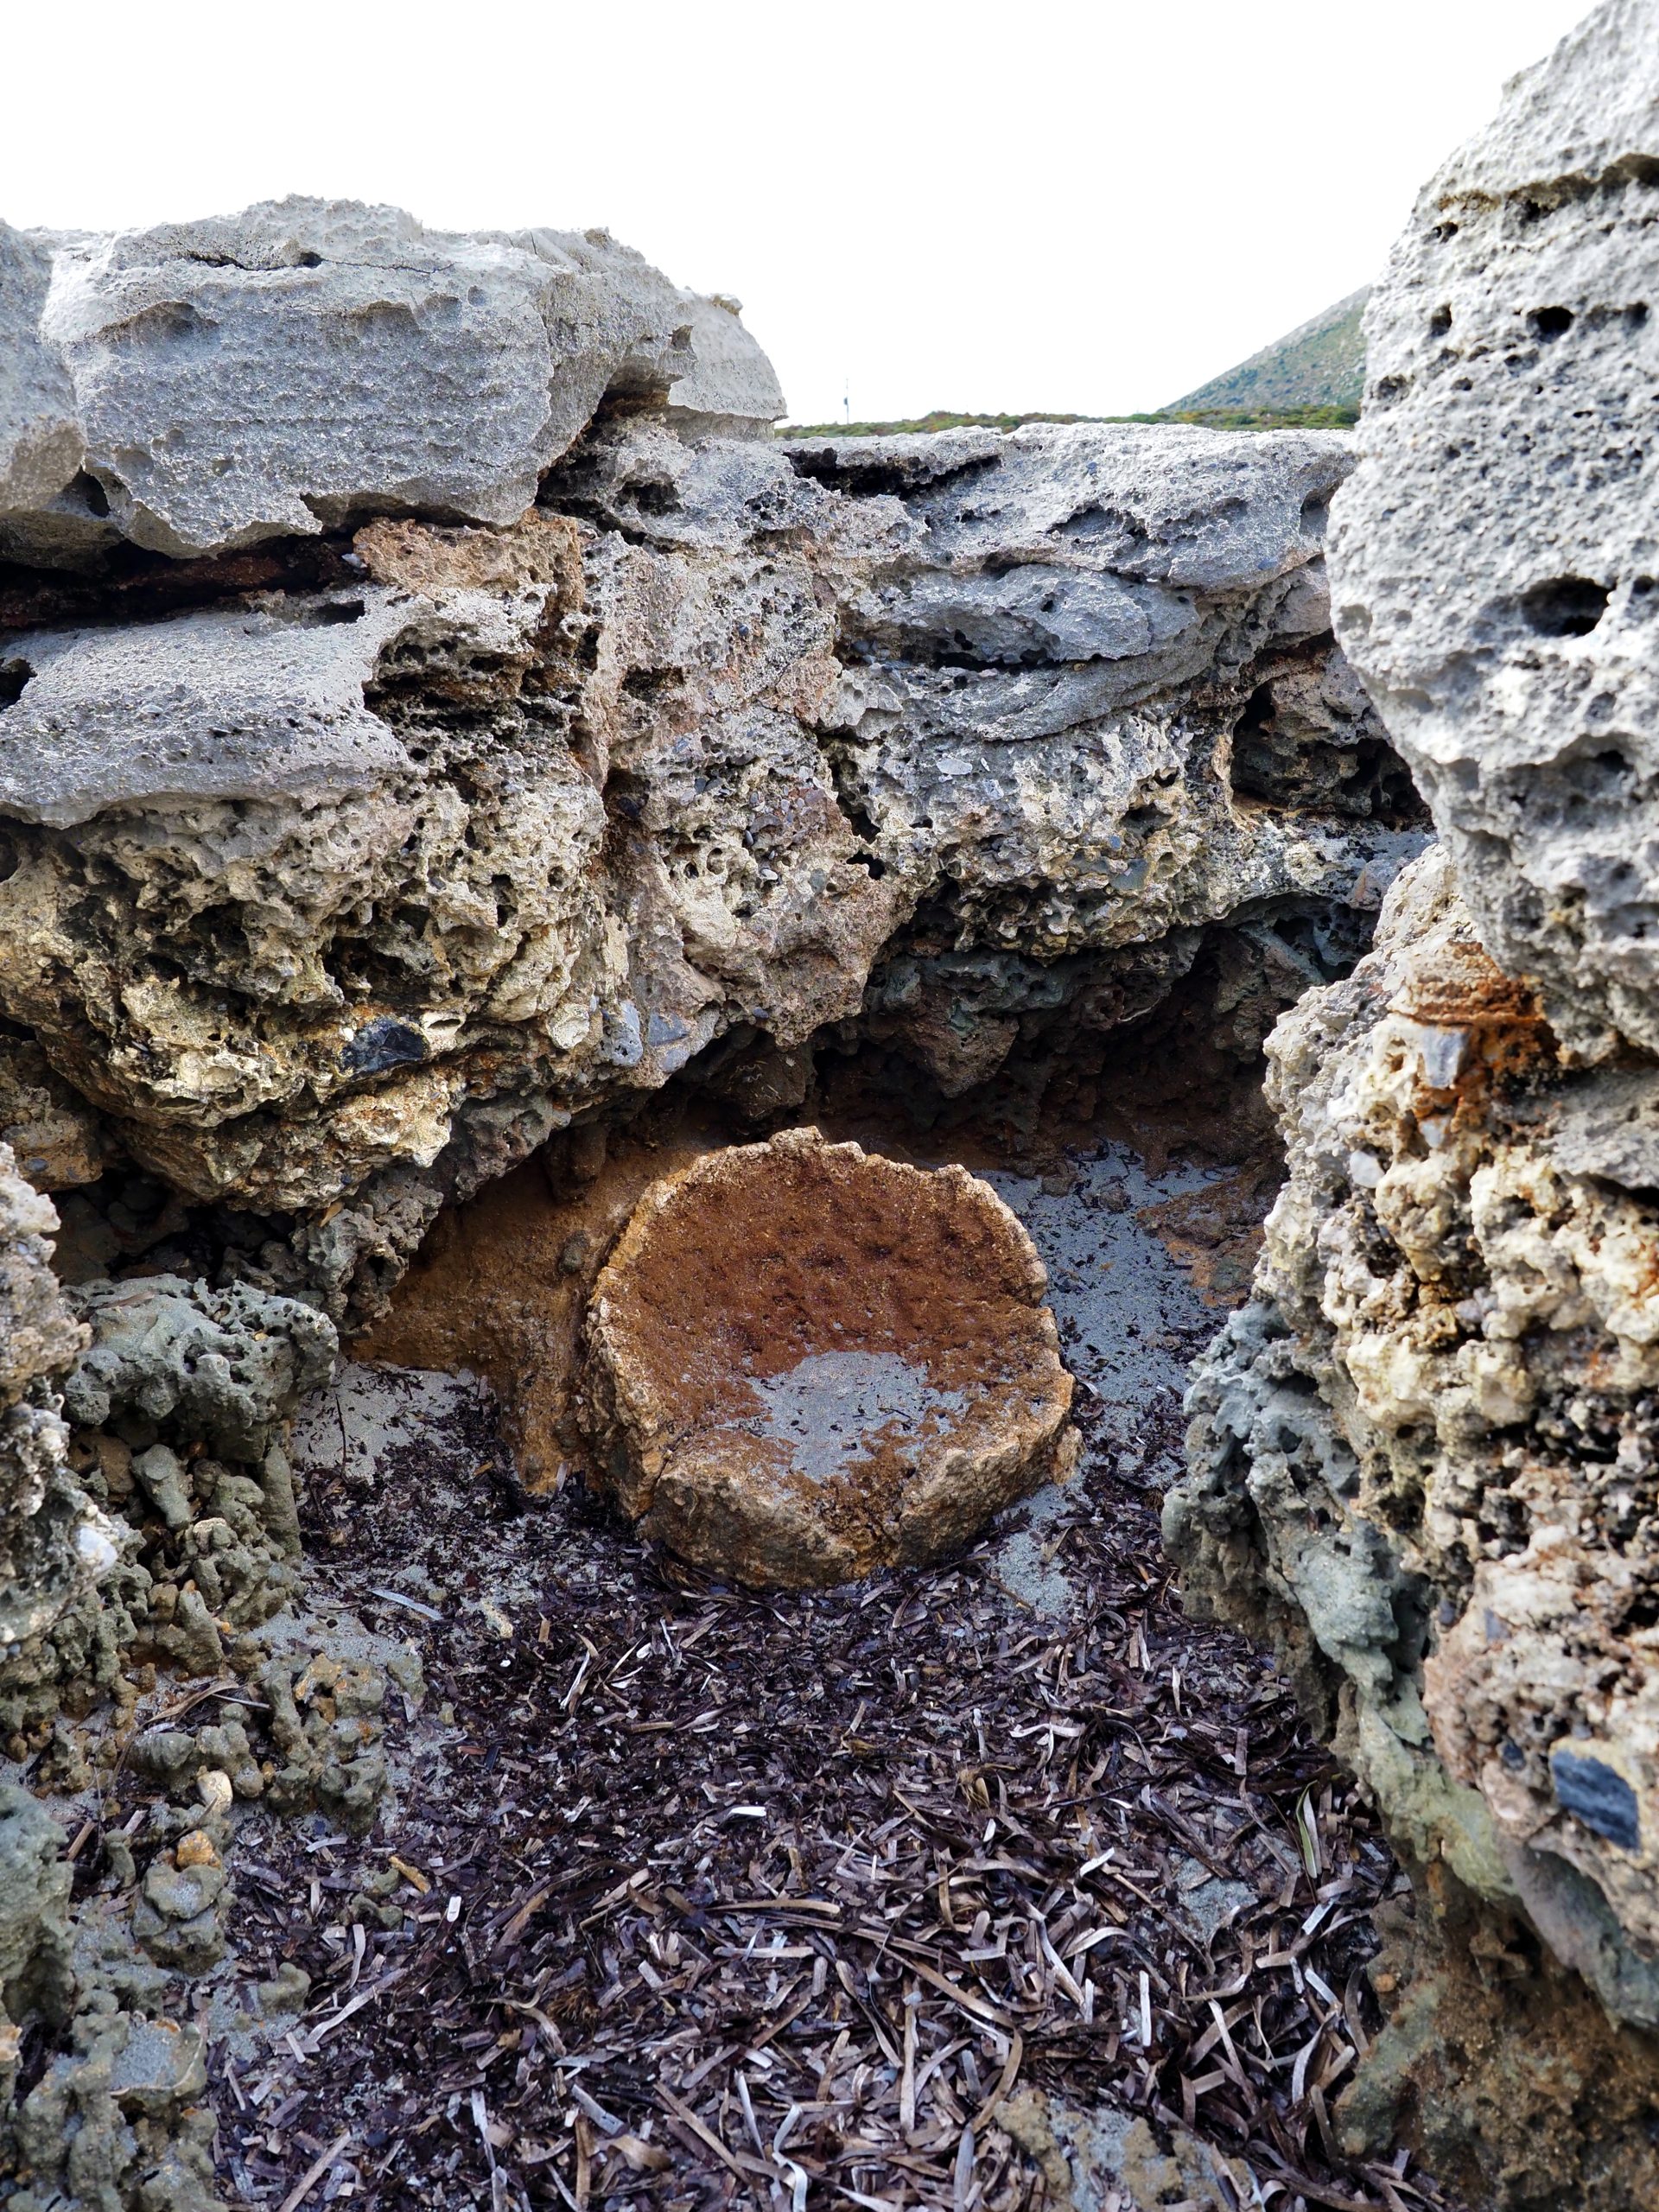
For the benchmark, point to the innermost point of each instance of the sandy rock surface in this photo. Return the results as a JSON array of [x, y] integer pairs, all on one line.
[[805, 1362]]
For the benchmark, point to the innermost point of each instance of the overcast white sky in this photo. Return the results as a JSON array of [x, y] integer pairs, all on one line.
[[1091, 208]]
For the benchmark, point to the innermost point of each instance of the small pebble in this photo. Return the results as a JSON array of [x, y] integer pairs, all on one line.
[[213, 1787]]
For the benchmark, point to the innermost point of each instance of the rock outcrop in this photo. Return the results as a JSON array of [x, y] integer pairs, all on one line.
[[338, 881], [1496, 555], [54, 1543], [307, 363], [147, 1501], [1430, 1430], [1422, 1456], [495, 730], [804, 1363], [432, 715]]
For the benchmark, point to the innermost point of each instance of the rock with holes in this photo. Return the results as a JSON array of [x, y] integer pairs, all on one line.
[[307, 363], [805, 1362], [55, 1543], [1426, 1449], [337, 876], [1496, 558], [1094, 690], [242, 703], [221, 1371]]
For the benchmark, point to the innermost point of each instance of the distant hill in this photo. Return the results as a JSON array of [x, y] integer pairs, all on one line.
[[1311, 380], [1319, 416], [1318, 367]]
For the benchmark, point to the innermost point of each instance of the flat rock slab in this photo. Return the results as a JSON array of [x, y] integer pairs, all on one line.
[[305, 364], [804, 1362]]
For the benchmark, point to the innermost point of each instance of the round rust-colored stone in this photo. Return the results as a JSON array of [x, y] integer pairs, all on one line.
[[804, 1362]]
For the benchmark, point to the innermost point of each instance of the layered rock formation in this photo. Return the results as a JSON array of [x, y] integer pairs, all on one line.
[[1425, 1450], [340, 874], [380, 796], [432, 715], [205, 386]]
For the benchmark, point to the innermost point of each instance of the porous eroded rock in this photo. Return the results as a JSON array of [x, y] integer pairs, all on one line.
[[805, 1362], [307, 363], [337, 874], [1423, 1456], [35, 1975], [430, 716], [1422, 1459], [1431, 1434], [147, 1506], [1496, 557], [54, 1543]]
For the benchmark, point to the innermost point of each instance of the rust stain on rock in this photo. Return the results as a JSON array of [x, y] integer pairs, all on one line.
[[805, 1362]]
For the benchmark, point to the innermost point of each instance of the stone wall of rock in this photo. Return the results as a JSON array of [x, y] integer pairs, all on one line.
[[1495, 556], [52, 1542], [431, 712], [1430, 1431]]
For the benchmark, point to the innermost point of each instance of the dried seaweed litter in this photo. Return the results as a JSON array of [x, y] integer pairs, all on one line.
[[706, 1898]]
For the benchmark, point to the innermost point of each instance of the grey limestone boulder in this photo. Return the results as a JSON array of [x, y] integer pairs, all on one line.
[[218, 704], [306, 363], [1496, 557], [317, 885]]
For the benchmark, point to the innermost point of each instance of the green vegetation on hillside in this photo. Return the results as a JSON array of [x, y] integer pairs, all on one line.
[[940, 419], [1321, 365], [1325, 416], [1321, 418], [1310, 380]]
